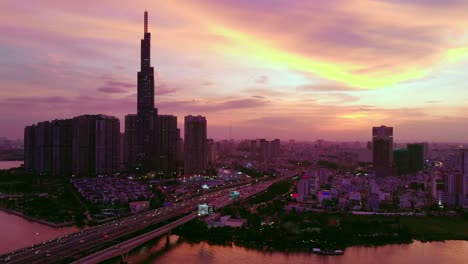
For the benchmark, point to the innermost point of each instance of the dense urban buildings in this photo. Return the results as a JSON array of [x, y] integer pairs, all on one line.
[[195, 145]]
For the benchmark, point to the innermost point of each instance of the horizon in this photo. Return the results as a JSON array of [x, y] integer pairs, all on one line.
[[210, 61]]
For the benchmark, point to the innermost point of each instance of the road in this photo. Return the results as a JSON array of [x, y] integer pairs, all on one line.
[[107, 235]]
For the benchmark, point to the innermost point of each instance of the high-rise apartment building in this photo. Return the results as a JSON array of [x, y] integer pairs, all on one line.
[[463, 189], [130, 151], [195, 145], [62, 147], [29, 148], [44, 148], [167, 135], [95, 145]]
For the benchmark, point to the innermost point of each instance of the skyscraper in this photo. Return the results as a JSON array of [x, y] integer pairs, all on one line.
[[145, 126], [195, 145], [382, 148]]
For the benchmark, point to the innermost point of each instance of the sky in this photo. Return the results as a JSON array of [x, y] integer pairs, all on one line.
[[304, 70]]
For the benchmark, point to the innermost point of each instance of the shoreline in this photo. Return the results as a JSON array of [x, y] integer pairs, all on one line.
[[40, 221]]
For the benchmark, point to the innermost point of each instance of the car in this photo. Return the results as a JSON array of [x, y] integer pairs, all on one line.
[[37, 251]]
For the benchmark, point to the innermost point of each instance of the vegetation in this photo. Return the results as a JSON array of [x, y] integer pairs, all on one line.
[[50, 198], [328, 164], [270, 227], [276, 189]]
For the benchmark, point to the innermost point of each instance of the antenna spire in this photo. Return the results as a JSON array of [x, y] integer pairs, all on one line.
[[146, 21]]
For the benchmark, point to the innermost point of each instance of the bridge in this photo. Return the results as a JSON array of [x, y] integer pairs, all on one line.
[[104, 237]]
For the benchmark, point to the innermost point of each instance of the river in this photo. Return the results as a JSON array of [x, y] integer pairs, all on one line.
[[202, 253], [17, 232], [4, 165]]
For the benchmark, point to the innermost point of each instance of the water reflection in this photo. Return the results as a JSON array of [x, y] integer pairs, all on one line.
[[202, 253]]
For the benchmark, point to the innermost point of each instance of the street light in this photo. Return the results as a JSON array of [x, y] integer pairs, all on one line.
[[34, 237]]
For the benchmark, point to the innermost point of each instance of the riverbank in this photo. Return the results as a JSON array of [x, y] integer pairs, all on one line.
[[19, 232], [40, 221], [302, 232]]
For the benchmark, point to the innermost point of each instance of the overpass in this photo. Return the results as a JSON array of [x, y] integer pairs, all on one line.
[[65, 249], [123, 248]]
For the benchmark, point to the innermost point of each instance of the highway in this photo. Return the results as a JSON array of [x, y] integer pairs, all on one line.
[[130, 244], [90, 240]]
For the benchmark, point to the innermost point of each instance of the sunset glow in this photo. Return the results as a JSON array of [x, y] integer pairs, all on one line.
[[332, 68]]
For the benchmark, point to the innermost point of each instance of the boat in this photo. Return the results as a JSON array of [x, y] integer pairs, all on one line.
[[332, 252]]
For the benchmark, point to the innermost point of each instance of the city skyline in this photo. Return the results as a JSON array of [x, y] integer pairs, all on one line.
[[353, 68]]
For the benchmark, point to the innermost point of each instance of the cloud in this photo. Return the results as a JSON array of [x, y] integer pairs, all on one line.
[[263, 79], [205, 106], [37, 100], [325, 88], [107, 89], [116, 87]]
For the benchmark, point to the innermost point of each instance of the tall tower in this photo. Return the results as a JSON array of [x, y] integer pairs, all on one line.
[[146, 113]]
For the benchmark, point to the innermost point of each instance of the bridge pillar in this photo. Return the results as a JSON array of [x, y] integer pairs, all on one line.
[[168, 238], [124, 257]]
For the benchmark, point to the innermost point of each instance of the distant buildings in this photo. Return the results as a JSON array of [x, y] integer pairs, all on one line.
[[195, 145], [382, 149], [212, 151], [401, 159], [264, 150], [415, 157], [409, 160]]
